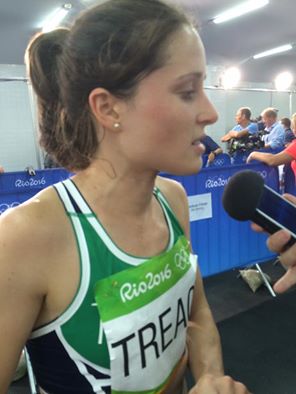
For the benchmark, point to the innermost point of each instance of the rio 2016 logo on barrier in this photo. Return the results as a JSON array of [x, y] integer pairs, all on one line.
[[5, 206], [217, 181], [30, 182]]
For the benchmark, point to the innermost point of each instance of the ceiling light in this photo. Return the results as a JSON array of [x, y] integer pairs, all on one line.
[[54, 19], [230, 78], [283, 81], [239, 10], [282, 48]]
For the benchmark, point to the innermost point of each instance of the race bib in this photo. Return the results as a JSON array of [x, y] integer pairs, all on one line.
[[144, 312]]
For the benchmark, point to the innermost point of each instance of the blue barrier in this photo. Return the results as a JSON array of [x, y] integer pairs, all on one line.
[[289, 180], [17, 187], [239, 157], [223, 159], [221, 242]]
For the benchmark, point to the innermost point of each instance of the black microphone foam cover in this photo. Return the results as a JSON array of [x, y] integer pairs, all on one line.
[[242, 195]]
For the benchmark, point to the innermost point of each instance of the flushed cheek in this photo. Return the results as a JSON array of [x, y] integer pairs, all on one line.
[[168, 119]]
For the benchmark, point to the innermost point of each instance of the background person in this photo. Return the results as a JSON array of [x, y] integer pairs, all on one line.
[[275, 133], [286, 156], [120, 98], [212, 149], [289, 135], [244, 134]]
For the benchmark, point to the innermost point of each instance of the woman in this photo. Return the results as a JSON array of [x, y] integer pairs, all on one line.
[[102, 280], [286, 156]]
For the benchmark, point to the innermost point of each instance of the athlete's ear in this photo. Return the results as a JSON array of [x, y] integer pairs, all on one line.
[[105, 108]]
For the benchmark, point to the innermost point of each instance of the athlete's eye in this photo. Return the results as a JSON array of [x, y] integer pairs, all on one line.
[[188, 95]]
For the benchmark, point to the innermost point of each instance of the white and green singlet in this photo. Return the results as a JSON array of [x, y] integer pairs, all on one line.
[[125, 330]]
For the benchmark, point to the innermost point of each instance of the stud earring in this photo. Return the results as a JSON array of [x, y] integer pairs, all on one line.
[[116, 125]]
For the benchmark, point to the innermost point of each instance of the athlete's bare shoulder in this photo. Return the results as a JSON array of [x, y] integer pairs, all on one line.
[[32, 228], [33, 213]]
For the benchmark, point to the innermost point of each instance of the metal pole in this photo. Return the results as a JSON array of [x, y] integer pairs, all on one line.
[[265, 280], [290, 103]]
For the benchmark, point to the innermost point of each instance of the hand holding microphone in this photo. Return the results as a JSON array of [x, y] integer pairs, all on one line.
[[246, 197]]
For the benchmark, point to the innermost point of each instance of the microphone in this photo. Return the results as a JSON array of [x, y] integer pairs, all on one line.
[[246, 197]]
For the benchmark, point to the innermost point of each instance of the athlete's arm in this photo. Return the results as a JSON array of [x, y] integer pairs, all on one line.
[[203, 340], [22, 285]]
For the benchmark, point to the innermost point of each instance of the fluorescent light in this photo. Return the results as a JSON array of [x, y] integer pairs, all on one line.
[[230, 78], [283, 81], [239, 10], [282, 48], [55, 18]]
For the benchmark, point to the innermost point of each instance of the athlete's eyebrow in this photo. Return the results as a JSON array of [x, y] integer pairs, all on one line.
[[195, 75]]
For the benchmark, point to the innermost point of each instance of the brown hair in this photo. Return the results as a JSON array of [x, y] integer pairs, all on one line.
[[286, 122], [113, 45], [246, 112]]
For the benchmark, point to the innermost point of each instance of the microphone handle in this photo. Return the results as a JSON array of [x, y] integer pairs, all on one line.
[[270, 227]]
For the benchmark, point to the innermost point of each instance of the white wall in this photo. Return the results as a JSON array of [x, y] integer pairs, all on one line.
[[17, 131]]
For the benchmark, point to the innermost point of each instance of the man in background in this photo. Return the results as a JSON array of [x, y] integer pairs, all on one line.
[[289, 135], [243, 136], [275, 133]]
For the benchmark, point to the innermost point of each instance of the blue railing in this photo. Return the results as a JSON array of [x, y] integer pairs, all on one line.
[[17, 187]]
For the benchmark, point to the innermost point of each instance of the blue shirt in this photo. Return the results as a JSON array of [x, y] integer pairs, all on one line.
[[289, 136], [209, 144], [252, 128], [275, 137]]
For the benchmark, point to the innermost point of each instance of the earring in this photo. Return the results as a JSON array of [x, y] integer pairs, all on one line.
[[116, 125]]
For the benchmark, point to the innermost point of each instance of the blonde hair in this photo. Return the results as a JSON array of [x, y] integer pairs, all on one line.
[[293, 122], [269, 112]]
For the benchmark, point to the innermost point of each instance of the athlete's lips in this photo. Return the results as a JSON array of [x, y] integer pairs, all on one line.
[[199, 146], [196, 141]]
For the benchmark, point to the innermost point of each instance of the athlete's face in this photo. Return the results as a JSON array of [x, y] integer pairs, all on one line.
[[167, 116]]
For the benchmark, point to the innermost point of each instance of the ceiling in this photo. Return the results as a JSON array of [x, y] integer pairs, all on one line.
[[227, 44]]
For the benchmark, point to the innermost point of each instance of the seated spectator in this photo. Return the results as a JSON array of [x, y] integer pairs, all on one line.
[[275, 133], [289, 135], [244, 126], [286, 156], [212, 148], [244, 135]]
